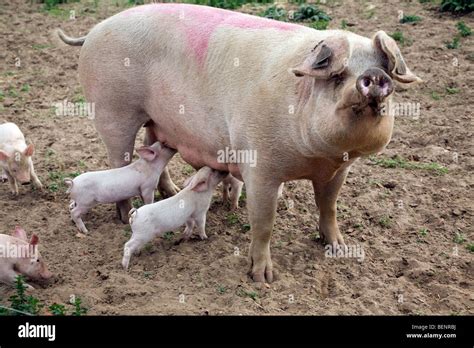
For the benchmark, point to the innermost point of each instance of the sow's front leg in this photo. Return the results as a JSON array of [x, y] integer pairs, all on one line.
[[326, 197], [262, 196]]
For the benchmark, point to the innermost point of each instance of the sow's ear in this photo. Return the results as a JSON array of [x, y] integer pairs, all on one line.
[[396, 64], [20, 233], [328, 58]]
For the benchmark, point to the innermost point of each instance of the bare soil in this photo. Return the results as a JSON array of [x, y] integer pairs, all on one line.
[[415, 225]]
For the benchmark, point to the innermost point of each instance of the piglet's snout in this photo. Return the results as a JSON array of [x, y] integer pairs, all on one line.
[[375, 85]]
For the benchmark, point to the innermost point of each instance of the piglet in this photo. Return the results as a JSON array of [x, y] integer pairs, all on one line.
[[15, 158], [114, 185], [231, 190], [188, 207], [20, 256]]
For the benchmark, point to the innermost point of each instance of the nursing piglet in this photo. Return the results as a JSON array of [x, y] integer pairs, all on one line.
[[188, 207], [114, 185]]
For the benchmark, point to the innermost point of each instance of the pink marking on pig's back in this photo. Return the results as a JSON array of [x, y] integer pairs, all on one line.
[[199, 22]]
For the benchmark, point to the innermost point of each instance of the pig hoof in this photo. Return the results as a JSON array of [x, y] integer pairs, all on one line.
[[261, 269]]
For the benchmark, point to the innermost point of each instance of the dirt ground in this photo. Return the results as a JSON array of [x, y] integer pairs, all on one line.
[[415, 225]]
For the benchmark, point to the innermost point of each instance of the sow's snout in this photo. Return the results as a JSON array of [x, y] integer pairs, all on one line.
[[374, 85]]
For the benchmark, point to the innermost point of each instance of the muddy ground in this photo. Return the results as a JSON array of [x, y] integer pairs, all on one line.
[[414, 224]]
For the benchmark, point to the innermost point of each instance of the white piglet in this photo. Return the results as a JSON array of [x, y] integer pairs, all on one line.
[[188, 207], [15, 158], [110, 186]]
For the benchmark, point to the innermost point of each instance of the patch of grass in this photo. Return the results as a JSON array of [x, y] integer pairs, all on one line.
[[244, 293], [399, 162], [454, 44], [137, 203], [40, 47], [57, 179], [12, 92], [246, 227], [148, 247], [385, 221], [423, 232], [188, 169], [463, 29], [457, 6], [168, 235], [310, 13], [21, 304], [275, 12], [470, 247], [25, 88], [343, 24], [226, 4], [452, 90], [435, 95], [232, 219], [459, 238], [127, 231], [410, 19], [398, 36], [221, 289], [319, 25], [315, 236]]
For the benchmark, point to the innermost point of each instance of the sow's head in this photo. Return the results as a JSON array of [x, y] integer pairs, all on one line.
[[346, 81]]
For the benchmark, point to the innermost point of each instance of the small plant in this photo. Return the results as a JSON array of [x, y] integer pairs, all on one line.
[[457, 6], [452, 90], [20, 303], [221, 289], [311, 13], [454, 44], [25, 88], [78, 309], [470, 247], [168, 235], [137, 203], [459, 238], [399, 162], [275, 12], [232, 219], [246, 227], [398, 36], [463, 29], [423, 232], [344, 24], [243, 293], [315, 236], [410, 19], [435, 95], [57, 309], [320, 24], [385, 221]]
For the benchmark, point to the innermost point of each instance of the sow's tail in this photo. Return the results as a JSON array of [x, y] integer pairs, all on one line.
[[131, 215], [71, 40]]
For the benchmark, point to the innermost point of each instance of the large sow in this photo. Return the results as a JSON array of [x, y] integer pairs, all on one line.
[[205, 80]]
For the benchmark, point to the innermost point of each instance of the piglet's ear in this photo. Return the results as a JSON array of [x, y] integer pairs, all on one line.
[[30, 150], [3, 156], [147, 153], [34, 239], [20, 233], [200, 186]]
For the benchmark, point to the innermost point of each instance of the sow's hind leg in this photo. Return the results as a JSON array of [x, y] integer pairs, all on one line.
[[166, 186], [118, 130]]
